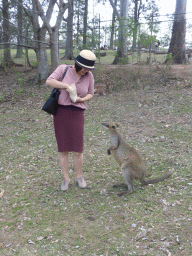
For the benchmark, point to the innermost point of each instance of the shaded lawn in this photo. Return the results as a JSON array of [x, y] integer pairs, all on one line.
[[36, 218]]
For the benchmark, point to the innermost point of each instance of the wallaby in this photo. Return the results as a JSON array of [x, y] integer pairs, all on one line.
[[100, 90], [131, 162]]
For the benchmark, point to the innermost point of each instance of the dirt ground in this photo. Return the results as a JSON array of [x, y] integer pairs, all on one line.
[[153, 106]]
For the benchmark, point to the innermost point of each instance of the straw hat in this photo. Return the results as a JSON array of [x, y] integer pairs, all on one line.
[[86, 59]]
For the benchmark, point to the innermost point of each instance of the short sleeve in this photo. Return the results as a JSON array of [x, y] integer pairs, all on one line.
[[91, 85], [58, 73]]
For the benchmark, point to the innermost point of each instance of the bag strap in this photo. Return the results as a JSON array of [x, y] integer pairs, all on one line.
[[65, 72]]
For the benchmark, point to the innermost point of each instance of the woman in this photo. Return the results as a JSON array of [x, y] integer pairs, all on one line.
[[69, 119]]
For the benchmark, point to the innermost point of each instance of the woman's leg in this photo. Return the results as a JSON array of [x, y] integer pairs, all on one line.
[[64, 164], [78, 163]]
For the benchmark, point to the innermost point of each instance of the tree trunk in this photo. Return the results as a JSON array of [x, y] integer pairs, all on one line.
[[112, 28], [54, 49], [20, 27], [26, 43], [41, 54], [69, 41], [40, 32], [85, 24], [7, 61], [78, 25], [121, 56], [135, 25], [1, 31], [42, 65], [40, 47], [177, 44]]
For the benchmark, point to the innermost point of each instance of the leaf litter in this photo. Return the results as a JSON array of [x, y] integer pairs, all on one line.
[[153, 220]]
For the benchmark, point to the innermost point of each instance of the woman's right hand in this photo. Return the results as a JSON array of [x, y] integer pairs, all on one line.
[[57, 84], [67, 87]]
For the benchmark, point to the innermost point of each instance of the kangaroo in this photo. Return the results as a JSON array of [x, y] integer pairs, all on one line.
[[131, 162]]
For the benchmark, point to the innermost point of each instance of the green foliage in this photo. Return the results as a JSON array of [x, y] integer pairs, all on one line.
[[34, 63], [189, 83], [46, 95], [20, 81], [169, 58], [2, 98], [19, 91], [145, 40]]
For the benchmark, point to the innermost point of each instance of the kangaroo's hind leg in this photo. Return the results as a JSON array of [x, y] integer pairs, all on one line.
[[126, 171]]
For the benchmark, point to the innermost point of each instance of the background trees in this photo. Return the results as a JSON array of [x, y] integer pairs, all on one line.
[[36, 24], [69, 40], [19, 19], [177, 45], [122, 16], [34, 12], [7, 55]]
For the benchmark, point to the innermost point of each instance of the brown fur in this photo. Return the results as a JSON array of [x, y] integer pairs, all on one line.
[[131, 162], [100, 89]]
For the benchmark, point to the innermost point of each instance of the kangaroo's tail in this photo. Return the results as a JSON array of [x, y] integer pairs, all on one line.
[[146, 182]]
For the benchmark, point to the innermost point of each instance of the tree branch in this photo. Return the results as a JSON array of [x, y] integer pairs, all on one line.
[[50, 10], [27, 46], [43, 17], [62, 8], [115, 9]]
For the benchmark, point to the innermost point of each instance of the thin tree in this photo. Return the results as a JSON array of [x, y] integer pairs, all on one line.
[[78, 23], [85, 24], [177, 44], [122, 15], [7, 60], [1, 29], [113, 28], [19, 52], [137, 11], [69, 40]]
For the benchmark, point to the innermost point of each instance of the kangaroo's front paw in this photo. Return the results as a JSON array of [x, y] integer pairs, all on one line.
[[122, 193], [108, 151], [120, 185], [125, 192]]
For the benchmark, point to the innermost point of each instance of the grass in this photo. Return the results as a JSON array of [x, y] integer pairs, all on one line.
[[108, 59], [36, 218]]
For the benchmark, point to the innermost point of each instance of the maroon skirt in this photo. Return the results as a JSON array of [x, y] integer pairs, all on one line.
[[69, 128]]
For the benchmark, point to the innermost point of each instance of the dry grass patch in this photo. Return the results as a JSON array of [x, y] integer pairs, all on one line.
[[36, 218]]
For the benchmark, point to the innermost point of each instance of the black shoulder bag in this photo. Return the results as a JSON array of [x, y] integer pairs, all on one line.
[[51, 105]]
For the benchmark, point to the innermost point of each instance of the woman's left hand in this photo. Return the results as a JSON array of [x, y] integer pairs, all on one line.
[[87, 97], [80, 100]]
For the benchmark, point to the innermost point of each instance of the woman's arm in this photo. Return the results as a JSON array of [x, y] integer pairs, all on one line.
[[57, 84], [87, 97]]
